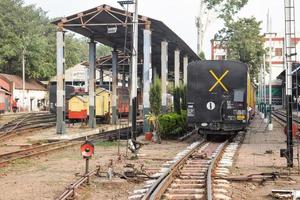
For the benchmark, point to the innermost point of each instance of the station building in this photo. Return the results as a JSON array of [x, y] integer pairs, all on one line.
[[34, 95], [5, 95]]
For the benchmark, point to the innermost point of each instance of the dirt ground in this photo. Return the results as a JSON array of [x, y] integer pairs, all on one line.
[[260, 153], [47, 176]]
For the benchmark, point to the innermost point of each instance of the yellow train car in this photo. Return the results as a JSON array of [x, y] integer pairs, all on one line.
[[251, 98], [78, 106], [103, 102]]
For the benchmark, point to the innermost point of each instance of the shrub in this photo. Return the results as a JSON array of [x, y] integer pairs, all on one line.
[[172, 124], [183, 97], [176, 94], [155, 97]]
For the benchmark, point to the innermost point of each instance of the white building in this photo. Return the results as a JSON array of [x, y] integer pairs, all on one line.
[[34, 93], [79, 75]]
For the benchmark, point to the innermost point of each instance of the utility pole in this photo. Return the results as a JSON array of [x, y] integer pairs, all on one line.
[[23, 78], [289, 12], [261, 91], [134, 70], [264, 90], [270, 34]]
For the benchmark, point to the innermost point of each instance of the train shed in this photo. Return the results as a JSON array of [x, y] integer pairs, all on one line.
[[161, 52]]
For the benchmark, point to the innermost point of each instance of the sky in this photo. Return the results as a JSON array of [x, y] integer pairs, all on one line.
[[179, 15]]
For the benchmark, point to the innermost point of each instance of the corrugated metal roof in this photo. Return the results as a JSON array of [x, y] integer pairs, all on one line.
[[29, 84], [95, 22]]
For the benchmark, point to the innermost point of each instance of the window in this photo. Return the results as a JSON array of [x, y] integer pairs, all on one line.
[[278, 51]]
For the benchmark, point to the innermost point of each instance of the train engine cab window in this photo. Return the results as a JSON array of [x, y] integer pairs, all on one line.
[[238, 95]]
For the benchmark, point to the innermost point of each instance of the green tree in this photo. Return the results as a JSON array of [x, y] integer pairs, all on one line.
[[27, 30], [103, 50], [244, 43], [176, 94], [202, 55], [155, 97], [76, 50], [183, 89], [226, 9]]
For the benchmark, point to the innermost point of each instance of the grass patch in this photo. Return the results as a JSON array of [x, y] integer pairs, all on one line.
[[21, 163], [106, 143], [17, 165]]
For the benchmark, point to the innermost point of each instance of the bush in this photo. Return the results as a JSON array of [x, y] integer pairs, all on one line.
[[183, 89], [176, 94], [155, 97], [172, 124]]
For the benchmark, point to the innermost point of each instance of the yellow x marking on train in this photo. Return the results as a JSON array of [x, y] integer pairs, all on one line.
[[218, 80]]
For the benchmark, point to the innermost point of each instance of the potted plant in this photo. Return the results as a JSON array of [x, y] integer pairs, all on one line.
[[155, 108]]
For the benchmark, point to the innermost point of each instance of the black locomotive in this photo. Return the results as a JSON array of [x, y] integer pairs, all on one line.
[[217, 96]]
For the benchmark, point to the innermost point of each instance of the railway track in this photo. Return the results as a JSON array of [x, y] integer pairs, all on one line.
[[27, 122], [35, 151], [281, 116], [49, 147], [189, 176]]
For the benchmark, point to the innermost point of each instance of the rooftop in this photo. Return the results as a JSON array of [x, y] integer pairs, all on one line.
[[94, 23], [29, 84]]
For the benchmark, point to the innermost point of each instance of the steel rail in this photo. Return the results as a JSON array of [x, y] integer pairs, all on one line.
[[70, 191], [159, 188], [164, 180], [41, 149], [34, 151], [209, 189]]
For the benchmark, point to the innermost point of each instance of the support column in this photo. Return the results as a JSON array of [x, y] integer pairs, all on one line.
[[114, 86], [60, 85], [86, 79], [185, 64], [176, 67], [146, 77], [101, 77], [124, 79], [154, 73], [92, 82], [164, 74], [134, 74]]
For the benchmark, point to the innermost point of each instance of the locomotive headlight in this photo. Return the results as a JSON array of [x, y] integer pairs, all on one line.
[[190, 110], [204, 124]]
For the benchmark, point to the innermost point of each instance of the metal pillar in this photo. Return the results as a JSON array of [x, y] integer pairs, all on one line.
[[60, 83], [270, 126], [101, 77], [23, 79], [176, 67], [185, 64], [154, 73], [146, 77], [92, 82], [114, 86], [124, 78], [265, 91], [134, 71], [86, 79], [289, 11], [164, 74]]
